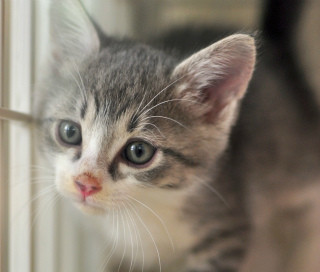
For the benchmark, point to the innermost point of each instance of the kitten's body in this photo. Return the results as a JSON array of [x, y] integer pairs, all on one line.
[[190, 208], [275, 154]]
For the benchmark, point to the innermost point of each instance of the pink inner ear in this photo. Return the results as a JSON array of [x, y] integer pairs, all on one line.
[[222, 92], [218, 75]]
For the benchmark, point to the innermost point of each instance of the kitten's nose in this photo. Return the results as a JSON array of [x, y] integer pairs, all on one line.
[[87, 185]]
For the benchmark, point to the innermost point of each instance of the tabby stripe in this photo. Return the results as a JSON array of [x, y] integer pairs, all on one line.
[[153, 175], [218, 236], [97, 102], [232, 253], [113, 170], [216, 266], [133, 124], [121, 110], [157, 172], [180, 157], [77, 156], [83, 109]]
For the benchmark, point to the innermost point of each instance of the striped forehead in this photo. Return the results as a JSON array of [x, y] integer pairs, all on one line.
[[102, 109], [93, 106], [101, 131]]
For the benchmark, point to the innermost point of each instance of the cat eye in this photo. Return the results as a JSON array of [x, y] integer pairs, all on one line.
[[69, 133], [139, 152]]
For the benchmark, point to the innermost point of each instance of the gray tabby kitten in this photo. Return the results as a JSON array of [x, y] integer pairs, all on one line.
[[140, 137]]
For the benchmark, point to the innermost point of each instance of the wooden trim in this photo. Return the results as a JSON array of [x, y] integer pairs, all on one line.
[[4, 196], [6, 114], [17, 88], [4, 137]]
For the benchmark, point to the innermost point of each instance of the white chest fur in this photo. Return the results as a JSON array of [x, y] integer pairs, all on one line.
[[149, 233]]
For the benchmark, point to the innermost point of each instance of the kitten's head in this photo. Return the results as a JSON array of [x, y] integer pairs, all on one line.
[[118, 117]]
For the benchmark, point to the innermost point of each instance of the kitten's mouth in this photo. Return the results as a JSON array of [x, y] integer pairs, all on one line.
[[89, 207]]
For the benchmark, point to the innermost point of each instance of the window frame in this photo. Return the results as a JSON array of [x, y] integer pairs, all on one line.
[[4, 153], [15, 129]]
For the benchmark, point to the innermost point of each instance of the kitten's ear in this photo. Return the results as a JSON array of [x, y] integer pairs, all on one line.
[[73, 35], [217, 77]]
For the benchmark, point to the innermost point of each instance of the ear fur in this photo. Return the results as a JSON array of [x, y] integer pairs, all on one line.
[[73, 35], [217, 76]]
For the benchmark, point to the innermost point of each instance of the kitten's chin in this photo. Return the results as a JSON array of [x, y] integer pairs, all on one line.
[[85, 208]]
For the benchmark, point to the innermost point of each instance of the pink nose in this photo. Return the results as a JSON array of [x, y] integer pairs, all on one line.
[[87, 185]]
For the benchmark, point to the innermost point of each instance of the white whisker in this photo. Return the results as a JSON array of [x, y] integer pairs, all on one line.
[[167, 101], [52, 200], [134, 226], [150, 124], [81, 80], [43, 192], [81, 88], [137, 110], [158, 217], [213, 190], [125, 242], [101, 267], [32, 182], [148, 231], [131, 240], [114, 246], [167, 118], [164, 89]]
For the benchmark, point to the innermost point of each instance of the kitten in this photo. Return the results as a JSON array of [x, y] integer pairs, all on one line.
[[146, 140]]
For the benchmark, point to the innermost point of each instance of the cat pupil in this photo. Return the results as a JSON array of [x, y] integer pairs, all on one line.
[[70, 131], [138, 150]]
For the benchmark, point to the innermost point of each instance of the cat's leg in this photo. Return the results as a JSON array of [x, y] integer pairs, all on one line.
[[222, 252], [229, 261], [287, 236]]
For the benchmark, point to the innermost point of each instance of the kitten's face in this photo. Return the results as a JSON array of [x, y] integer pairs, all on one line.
[[122, 128], [124, 117]]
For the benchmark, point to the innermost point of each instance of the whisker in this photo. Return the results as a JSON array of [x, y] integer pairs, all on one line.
[[33, 182], [164, 89], [48, 189], [42, 193], [52, 200], [131, 240], [149, 134], [81, 80], [213, 190], [31, 166], [38, 177], [45, 179], [137, 236], [101, 267], [137, 110], [167, 118], [148, 231], [125, 242], [114, 245], [150, 124], [105, 113], [40, 166], [158, 217], [167, 101], [82, 89]]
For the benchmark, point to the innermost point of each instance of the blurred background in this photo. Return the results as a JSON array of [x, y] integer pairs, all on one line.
[[40, 233], [142, 19]]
